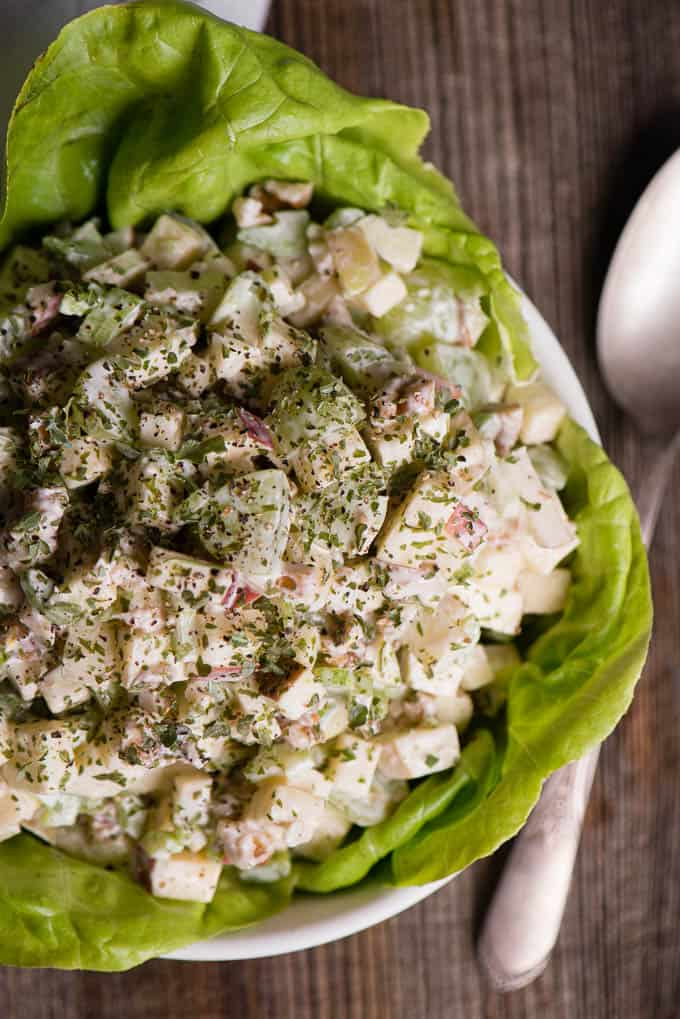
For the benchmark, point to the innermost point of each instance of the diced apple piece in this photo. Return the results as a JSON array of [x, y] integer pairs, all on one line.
[[285, 237], [352, 765], [153, 350], [90, 652], [551, 535], [83, 461], [436, 424], [249, 212], [550, 466], [154, 490], [10, 819], [418, 677], [502, 423], [317, 292], [286, 300], [99, 768], [188, 577], [123, 270], [477, 671], [283, 804], [163, 427], [543, 593], [439, 645], [414, 534], [398, 245], [496, 608], [501, 656], [332, 828], [474, 453], [196, 374], [420, 751], [333, 719], [62, 690], [496, 566], [174, 243], [295, 693], [543, 412], [215, 643], [356, 262], [491, 591], [454, 709], [44, 755], [148, 654], [186, 876], [11, 595], [235, 360], [381, 297], [120, 240], [191, 792], [194, 293], [319, 464], [394, 447], [297, 194], [426, 508]]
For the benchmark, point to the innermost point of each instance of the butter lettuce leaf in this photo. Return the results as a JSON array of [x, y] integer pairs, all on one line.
[[141, 108], [152, 106], [61, 912]]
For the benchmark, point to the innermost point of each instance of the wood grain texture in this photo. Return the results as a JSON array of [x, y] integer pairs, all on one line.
[[551, 115]]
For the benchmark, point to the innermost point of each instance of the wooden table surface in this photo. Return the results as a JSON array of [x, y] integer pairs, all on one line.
[[550, 115]]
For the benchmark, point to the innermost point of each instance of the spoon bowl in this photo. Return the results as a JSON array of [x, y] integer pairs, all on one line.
[[638, 327]]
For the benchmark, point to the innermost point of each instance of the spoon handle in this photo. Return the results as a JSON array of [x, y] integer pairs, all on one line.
[[523, 921], [524, 918]]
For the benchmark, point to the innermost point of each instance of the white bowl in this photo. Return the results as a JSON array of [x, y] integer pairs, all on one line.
[[313, 920]]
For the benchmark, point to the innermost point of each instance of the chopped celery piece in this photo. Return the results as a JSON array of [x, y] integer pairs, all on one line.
[[364, 364], [442, 303], [462, 366], [344, 518], [345, 216], [102, 404], [241, 306], [246, 523], [549, 465], [107, 312], [310, 402], [153, 349], [196, 294], [286, 237], [123, 270], [22, 268], [82, 249]]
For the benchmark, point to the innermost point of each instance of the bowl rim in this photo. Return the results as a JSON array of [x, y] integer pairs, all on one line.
[[313, 920]]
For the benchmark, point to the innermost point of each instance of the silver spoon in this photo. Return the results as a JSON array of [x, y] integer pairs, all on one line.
[[638, 338]]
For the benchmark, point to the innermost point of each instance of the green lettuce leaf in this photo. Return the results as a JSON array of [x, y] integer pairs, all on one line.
[[448, 794], [62, 912], [152, 106], [140, 108]]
